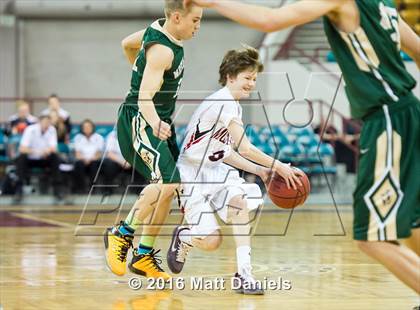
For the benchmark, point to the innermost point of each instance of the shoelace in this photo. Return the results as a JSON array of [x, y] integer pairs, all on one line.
[[183, 249], [122, 248], [155, 260]]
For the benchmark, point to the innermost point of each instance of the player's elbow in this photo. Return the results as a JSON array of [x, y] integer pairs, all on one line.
[[125, 44], [267, 26], [269, 22]]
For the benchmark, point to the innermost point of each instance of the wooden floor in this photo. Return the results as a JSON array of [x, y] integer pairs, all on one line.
[[52, 258]]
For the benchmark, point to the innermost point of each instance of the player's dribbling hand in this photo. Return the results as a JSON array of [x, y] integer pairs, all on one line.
[[289, 174], [162, 130], [202, 3]]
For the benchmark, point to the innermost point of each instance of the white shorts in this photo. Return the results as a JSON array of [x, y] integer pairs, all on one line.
[[210, 193]]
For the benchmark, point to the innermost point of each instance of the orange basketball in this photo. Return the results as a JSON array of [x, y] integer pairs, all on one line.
[[286, 198]]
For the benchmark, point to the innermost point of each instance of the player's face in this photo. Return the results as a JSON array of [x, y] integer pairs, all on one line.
[[243, 84], [189, 24]]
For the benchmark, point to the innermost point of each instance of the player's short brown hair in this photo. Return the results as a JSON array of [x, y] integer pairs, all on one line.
[[237, 61], [174, 5]]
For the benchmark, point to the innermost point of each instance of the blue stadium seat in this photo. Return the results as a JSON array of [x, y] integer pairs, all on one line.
[[281, 140], [298, 132], [320, 169], [252, 134], [308, 141], [276, 130], [75, 129], [326, 149], [63, 148], [251, 130], [273, 135], [305, 169], [264, 133], [280, 137], [268, 148], [3, 148], [255, 140], [3, 143], [322, 158], [104, 130], [291, 152]]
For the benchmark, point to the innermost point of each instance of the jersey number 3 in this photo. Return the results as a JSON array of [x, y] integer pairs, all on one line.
[[217, 156]]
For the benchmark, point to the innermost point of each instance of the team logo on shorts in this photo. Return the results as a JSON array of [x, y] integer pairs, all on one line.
[[385, 197], [145, 156]]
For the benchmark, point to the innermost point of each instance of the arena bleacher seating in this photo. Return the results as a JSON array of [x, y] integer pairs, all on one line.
[[300, 146]]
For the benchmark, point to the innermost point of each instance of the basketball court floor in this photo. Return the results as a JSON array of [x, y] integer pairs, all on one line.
[[52, 258]]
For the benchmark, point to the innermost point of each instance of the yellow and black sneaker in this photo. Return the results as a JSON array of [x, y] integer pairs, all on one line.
[[116, 249], [147, 265]]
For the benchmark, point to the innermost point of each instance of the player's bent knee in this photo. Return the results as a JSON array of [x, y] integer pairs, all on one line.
[[238, 201], [171, 187], [167, 189], [362, 245], [371, 246], [367, 247]]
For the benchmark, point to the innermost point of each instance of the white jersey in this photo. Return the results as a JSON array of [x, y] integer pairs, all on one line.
[[208, 183], [207, 141]]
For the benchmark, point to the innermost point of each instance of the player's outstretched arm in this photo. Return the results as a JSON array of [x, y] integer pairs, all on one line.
[[132, 44], [158, 59], [410, 41], [249, 151], [271, 19], [237, 161]]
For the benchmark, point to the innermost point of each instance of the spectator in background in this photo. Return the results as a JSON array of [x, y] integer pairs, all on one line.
[[17, 123], [349, 142], [54, 105], [60, 126], [114, 164], [330, 133], [38, 148], [344, 144], [89, 146]]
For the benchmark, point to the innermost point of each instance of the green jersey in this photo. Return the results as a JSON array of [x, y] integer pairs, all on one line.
[[165, 98], [370, 58]]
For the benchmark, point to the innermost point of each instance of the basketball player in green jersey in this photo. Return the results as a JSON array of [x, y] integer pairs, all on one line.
[[366, 38], [146, 135]]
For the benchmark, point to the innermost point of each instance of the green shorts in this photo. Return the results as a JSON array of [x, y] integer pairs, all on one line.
[[387, 195], [153, 158]]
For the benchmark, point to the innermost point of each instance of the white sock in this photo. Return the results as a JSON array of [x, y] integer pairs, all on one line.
[[243, 257], [185, 236]]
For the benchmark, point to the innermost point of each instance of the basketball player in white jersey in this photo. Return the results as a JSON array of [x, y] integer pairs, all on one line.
[[210, 183]]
